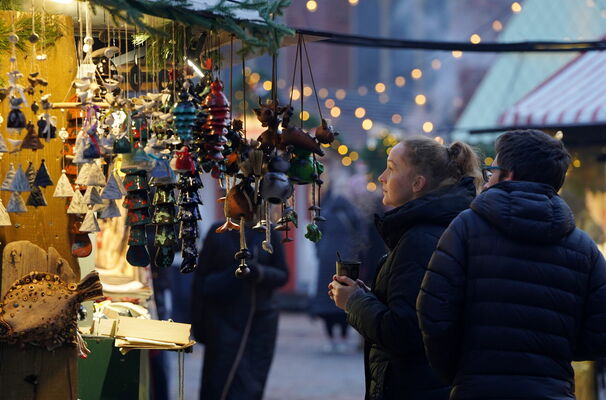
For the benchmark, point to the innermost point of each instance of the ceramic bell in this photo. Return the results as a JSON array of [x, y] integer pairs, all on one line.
[[111, 210], [31, 140], [3, 146], [43, 179], [77, 205], [5, 219], [90, 223], [303, 168], [164, 214], [165, 235], [189, 213], [276, 187], [16, 204], [36, 198], [138, 217], [63, 188], [83, 173], [20, 182], [91, 196], [135, 181], [114, 189], [10, 175], [95, 176], [164, 256], [136, 199], [164, 195], [188, 229]]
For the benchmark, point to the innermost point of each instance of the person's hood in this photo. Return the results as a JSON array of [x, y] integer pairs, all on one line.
[[526, 211], [439, 207]]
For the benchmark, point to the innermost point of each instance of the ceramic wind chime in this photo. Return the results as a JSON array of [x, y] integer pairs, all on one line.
[[164, 217], [188, 216]]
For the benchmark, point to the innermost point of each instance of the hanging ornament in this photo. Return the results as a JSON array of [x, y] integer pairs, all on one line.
[[63, 188], [77, 205], [8, 179], [20, 182], [43, 179], [30, 173], [91, 196], [3, 146], [111, 210], [36, 198], [31, 140], [16, 204], [5, 219], [16, 119], [83, 174], [185, 115], [114, 189], [95, 176], [90, 223], [15, 145]]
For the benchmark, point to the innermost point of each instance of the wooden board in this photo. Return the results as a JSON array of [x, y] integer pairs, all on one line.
[[162, 331], [56, 370], [45, 226]]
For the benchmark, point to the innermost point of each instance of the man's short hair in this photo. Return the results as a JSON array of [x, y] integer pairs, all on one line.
[[534, 156]]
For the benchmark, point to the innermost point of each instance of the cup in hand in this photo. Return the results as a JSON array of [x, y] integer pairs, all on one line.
[[351, 269]]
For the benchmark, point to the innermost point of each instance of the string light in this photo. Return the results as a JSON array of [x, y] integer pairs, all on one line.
[[346, 161], [383, 98], [457, 53], [488, 161], [342, 149], [267, 85], [296, 94], [420, 99], [439, 139], [353, 2], [322, 93], [367, 124], [427, 127], [335, 112], [475, 38], [516, 7], [340, 94], [362, 90], [354, 156], [329, 103], [400, 81], [311, 5], [371, 186], [360, 112], [416, 73], [380, 87], [576, 163], [396, 118], [436, 64], [497, 26], [307, 91], [304, 115]]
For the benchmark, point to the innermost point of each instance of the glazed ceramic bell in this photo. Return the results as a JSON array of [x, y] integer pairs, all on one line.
[[189, 181], [278, 164], [189, 213], [164, 214], [135, 181], [138, 256], [122, 145], [135, 200], [165, 235], [239, 202], [188, 249], [164, 195], [188, 230], [189, 197], [276, 187], [304, 169], [136, 236], [183, 161], [164, 256], [138, 217]]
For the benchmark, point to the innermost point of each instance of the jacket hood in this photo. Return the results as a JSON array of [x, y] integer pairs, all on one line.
[[439, 207], [526, 211]]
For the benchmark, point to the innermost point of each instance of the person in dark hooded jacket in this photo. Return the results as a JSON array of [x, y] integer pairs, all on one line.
[[236, 319], [429, 184], [514, 292]]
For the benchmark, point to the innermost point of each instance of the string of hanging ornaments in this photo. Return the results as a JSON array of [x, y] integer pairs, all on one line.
[[141, 152]]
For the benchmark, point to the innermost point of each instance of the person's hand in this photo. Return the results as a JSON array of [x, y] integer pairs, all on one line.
[[341, 289], [362, 285]]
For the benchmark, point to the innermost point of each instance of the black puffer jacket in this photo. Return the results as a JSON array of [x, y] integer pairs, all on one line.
[[394, 358], [513, 294]]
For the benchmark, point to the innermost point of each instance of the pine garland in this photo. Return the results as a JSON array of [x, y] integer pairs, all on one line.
[[257, 37]]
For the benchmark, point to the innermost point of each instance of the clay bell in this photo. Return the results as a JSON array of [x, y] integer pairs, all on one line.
[[188, 180], [164, 214], [276, 187], [138, 217], [137, 236], [278, 164], [136, 181], [189, 197], [216, 98], [239, 202], [164, 256], [165, 235], [164, 195], [188, 229], [304, 169], [189, 213], [135, 200]]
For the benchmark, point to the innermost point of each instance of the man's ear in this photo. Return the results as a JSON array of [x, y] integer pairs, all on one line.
[[418, 183], [508, 176]]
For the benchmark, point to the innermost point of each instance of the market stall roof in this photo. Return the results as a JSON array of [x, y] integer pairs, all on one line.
[[573, 95]]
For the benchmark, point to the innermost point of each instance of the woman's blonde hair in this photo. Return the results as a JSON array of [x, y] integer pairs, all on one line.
[[442, 165]]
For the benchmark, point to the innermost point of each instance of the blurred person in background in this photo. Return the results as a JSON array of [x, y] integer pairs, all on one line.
[[429, 184], [236, 319], [343, 231]]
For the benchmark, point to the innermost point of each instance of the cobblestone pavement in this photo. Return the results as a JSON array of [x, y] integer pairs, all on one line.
[[301, 370]]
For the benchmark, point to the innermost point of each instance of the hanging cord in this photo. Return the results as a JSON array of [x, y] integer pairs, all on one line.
[[244, 95], [231, 70], [294, 71], [174, 47], [126, 55], [300, 47], [313, 82]]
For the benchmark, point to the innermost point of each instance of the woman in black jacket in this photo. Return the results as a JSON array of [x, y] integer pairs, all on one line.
[[428, 184]]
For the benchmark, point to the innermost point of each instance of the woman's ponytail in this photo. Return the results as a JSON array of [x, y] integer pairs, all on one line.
[[464, 161]]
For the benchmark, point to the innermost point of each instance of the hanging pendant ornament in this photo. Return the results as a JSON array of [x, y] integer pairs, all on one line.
[[114, 189], [244, 254], [3, 146], [43, 179], [20, 182], [90, 223], [95, 176], [77, 206], [31, 140], [63, 188], [111, 210], [83, 174], [16, 204], [5, 219], [8, 179], [16, 119], [36, 198], [185, 115], [91, 196]]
